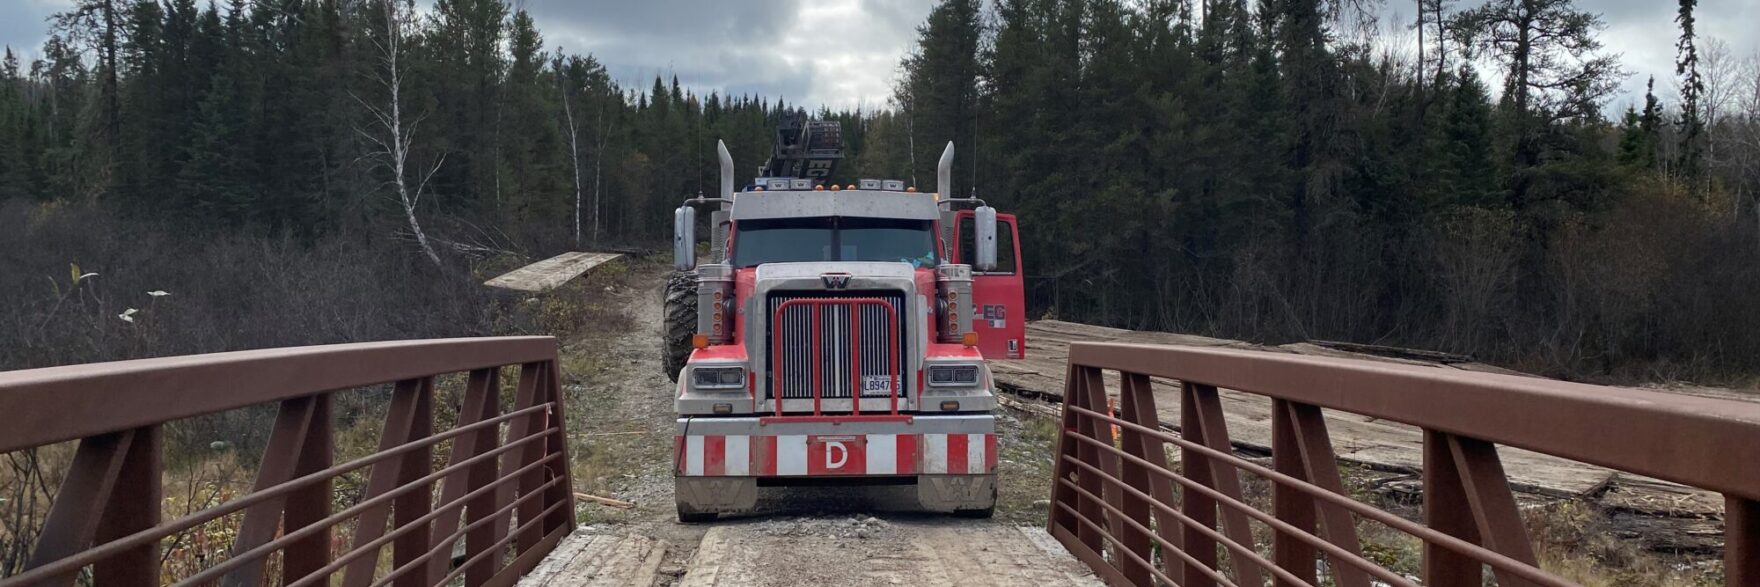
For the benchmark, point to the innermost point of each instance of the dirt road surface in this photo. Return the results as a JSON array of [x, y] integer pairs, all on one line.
[[621, 424]]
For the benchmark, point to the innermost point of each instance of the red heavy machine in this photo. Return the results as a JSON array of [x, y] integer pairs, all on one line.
[[839, 332]]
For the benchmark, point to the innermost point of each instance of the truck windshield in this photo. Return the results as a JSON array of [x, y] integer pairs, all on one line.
[[785, 240]]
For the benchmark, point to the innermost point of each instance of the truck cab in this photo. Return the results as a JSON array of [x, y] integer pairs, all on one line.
[[839, 339]]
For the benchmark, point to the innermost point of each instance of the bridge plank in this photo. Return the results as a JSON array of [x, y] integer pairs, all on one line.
[[929, 552], [593, 560], [550, 273]]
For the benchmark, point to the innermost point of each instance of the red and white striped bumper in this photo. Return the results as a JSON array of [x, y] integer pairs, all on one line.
[[835, 454]]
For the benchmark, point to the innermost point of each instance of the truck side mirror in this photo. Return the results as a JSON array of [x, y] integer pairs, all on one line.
[[684, 238], [984, 237]]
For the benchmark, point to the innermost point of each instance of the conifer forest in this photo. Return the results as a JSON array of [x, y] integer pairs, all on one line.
[[1270, 170]]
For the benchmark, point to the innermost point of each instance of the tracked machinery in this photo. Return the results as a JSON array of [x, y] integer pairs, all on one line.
[[837, 334]]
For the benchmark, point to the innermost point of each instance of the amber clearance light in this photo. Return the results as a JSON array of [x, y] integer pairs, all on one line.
[[701, 341], [970, 339]]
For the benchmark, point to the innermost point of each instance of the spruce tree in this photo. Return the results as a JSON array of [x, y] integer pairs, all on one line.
[[1690, 165], [939, 92], [14, 112]]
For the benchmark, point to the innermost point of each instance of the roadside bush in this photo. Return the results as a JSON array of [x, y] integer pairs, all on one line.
[[82, 285]]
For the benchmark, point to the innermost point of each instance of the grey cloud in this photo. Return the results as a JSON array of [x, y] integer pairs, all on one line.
[[666, 19], [24, 25], [774, 48], [844, 52]]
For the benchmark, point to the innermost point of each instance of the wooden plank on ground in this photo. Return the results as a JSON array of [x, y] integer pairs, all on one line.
[[590, 559], [550, 273], [932, 552]]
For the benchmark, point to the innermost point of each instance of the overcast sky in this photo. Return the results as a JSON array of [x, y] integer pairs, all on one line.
[[846, 52]]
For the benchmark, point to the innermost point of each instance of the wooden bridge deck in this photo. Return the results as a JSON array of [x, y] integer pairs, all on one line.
[[918, 551]]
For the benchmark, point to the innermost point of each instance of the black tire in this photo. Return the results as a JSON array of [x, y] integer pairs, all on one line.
[[680, 321]]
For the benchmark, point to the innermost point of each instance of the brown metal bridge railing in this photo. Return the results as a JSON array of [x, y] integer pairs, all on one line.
[[513, 494], [1115, 506]]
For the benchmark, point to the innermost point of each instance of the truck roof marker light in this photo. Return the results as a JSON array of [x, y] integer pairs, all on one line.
[[818, 188], [911, 190], [836, 188], [970, 339], [701, 341]]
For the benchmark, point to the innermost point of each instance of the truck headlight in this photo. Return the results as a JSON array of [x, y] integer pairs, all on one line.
[[953, 375], [718, 377]]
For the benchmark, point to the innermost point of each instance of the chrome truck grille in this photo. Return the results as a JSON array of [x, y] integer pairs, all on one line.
[[791, 367]]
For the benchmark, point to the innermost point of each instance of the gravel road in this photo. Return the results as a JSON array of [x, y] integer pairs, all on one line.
[[622, 424]]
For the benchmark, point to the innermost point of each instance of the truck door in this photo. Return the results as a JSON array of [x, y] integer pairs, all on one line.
[[999, 315]]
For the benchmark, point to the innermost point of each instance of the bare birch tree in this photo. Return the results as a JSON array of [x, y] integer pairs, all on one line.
[[599, 165], [389, 135], [1723, 81], [563, 81]]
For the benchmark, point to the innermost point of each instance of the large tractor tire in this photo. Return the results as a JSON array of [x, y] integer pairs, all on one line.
[[680, 321]]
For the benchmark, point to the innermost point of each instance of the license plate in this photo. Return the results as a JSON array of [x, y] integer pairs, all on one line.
[[876, 383]]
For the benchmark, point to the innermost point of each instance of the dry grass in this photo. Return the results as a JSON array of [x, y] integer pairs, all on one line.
[[1024, 468]]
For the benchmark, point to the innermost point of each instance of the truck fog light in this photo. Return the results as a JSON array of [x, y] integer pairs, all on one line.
[[950, 406], [723, 409]]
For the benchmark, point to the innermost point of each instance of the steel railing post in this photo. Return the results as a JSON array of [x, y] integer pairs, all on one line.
[[408, 508], [1138, 405], [1201, 509], [133, 506], [1320, 467], [1135, 476], [482, 538], [400, 423], [561, 495], [456, 484], [293, 424], [310, 504], [1063, 501], [1741, 541], [1291, 506], [533, 385], [1446, 510]]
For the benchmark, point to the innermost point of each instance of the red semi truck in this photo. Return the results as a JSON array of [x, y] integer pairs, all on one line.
[[840, 333]]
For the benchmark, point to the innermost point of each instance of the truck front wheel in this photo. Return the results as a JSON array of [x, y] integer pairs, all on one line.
[[680, 307]]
